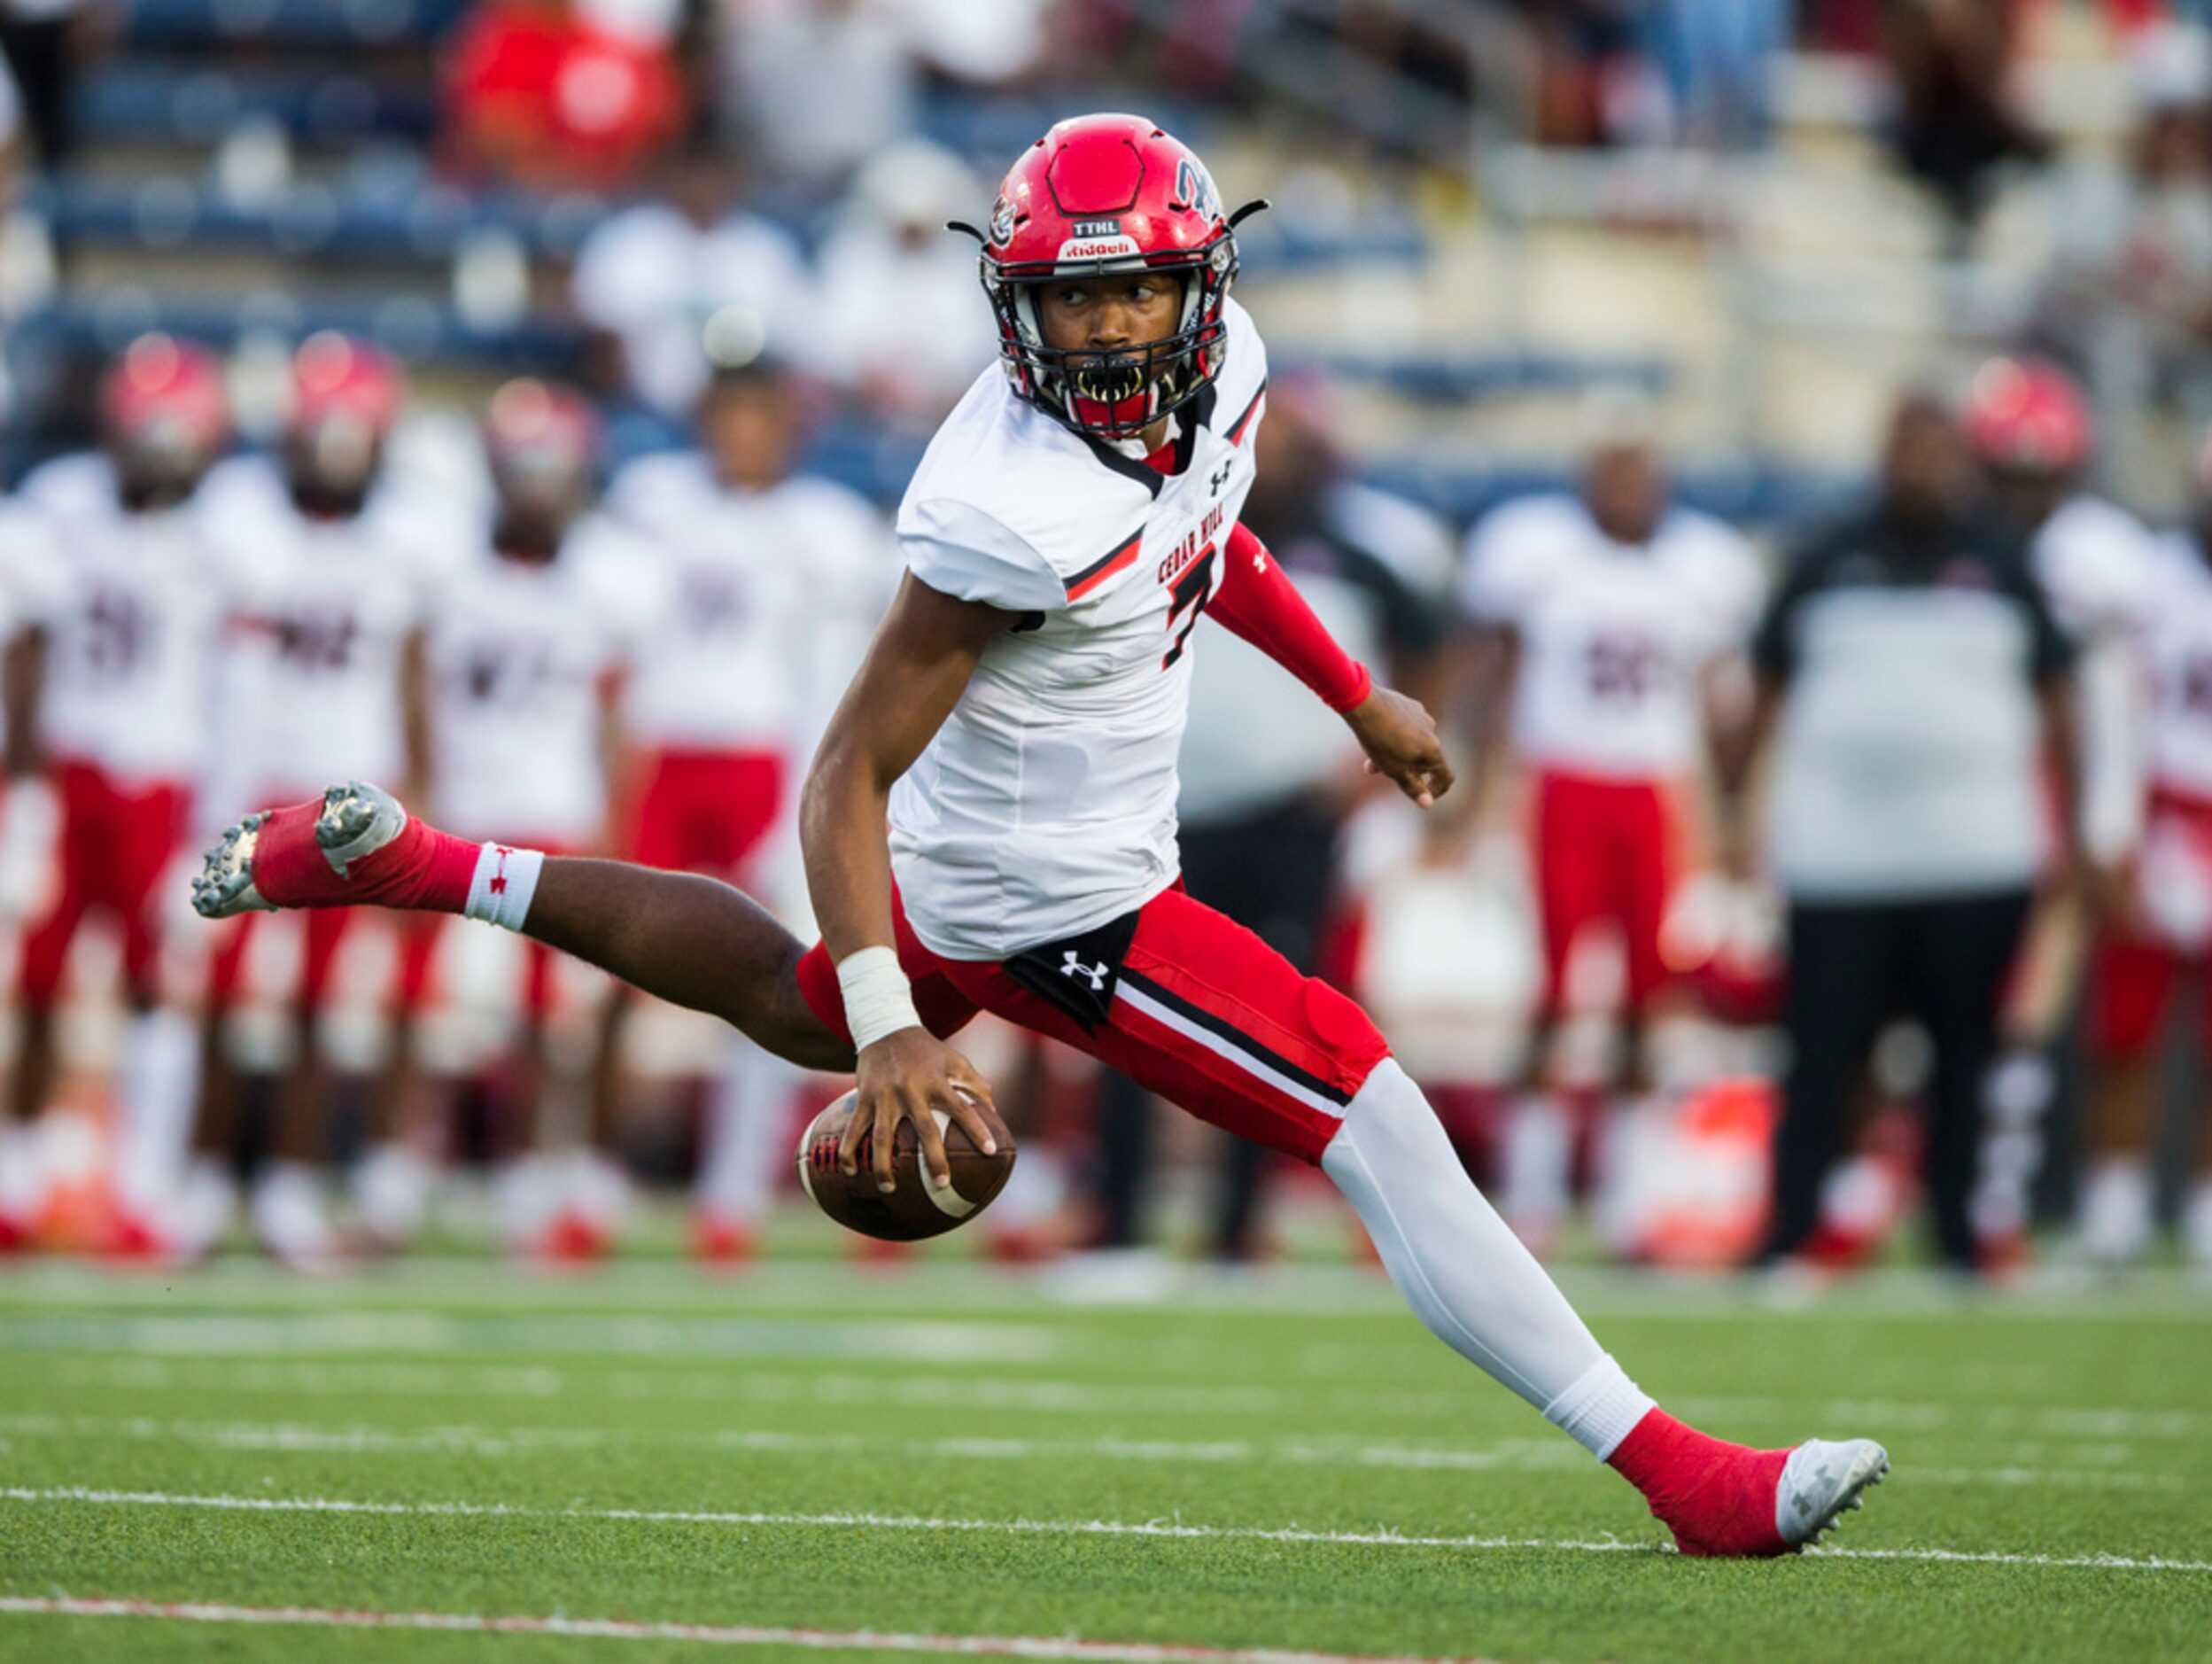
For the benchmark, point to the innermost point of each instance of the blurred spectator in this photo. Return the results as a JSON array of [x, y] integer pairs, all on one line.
[[46, 41], [1262, 801], [2158, 929], [1717, 56], [1955, 125], [1919, 680], [542, 94], [815, 87], [983, 44], [911, 324], [658, 283], [2129, 295], [1606, 622]]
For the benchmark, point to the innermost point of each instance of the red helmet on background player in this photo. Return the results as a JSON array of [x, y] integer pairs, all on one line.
[[1107, 196], [541, 442], [346, 395], [2025, 415], [164, 413]]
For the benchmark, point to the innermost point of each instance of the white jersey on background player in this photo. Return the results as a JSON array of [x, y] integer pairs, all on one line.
[[736, 578], [1613, 639], [327, 621], [519, 656], [134, 605]]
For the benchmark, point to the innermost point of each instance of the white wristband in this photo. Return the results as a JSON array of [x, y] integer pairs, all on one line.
[[878, 1000], [500, 889]]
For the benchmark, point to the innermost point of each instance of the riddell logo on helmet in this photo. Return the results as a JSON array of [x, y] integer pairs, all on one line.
[[1100, 248]]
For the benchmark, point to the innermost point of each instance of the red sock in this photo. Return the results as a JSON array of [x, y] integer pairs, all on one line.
[[1716, 1497], [422, 868]]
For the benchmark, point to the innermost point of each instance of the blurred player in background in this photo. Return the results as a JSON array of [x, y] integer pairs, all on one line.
[[2157, 931], [762, 585], [525, 656], [329, 674], [124, 595], [2031, 430], [1605, 622]]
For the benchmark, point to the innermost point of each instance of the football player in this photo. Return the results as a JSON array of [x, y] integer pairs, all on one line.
[[2159, 917], [125, 595], [524, 659], [1606, 619], [990, 823], [763, 583], [2033, 432], [330, 665]]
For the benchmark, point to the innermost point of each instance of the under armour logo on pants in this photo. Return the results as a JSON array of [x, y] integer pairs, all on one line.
[[1071, 965]]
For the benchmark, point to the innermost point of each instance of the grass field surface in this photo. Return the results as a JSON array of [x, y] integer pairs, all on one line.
[[646, 1462]]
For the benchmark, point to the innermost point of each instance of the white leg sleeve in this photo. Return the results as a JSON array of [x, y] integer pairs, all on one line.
[[743, 1146], [1465, 1274], [157, 1085]]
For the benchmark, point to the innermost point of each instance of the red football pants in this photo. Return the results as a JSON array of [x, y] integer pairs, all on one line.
[[1204, 1013], [706, 812], [1605, 854], [116, 842]]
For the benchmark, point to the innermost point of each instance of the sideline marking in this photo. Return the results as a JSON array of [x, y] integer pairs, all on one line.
[[1028, 1527], [712, 1634]]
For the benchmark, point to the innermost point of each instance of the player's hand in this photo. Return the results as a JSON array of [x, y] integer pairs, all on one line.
[[909, 1076], [1398, 736]]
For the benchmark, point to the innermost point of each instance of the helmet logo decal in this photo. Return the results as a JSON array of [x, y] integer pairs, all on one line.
[[1195, 187], [1096, 228], [1001, 222], [1083, 248]]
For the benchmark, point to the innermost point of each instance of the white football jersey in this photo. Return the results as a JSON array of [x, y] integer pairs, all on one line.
[[134, 606], [737, 582], [2101, 569], [2173, 640], [1045, 805], [2098, 563], [521, 659], [1612, 638], [313, 695]]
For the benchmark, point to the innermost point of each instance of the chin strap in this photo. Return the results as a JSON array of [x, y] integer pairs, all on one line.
[[965, 229], [1258, 204]]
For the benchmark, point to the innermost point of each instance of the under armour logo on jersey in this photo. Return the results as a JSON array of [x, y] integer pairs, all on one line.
[[1220, 477], [1071, 965]]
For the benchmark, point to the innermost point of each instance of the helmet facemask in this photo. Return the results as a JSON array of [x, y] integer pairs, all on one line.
[[1117, 395]]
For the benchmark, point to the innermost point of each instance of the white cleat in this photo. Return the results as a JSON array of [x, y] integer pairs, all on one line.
[[1822, 1480], [224, 888], [352, 822]]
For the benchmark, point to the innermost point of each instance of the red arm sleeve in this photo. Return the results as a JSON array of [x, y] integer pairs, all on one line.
[[1259, 603]]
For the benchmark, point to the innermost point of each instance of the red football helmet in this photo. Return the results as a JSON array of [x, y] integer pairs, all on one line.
[[165, 399], [2028, 416], [1107, 195], [541, 439], [334, 376]]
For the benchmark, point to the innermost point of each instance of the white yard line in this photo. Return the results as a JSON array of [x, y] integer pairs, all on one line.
[[863, 1521], [494, 1443], [411, 1379], [916, 1340], [711, 1634]]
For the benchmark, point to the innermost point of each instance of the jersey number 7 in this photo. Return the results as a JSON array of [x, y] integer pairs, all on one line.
[[1190, 595]]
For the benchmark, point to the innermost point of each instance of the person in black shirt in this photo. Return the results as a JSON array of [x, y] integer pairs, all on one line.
[[1913, 681]]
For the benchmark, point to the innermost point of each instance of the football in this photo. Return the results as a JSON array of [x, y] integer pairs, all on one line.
[[915, 1209]]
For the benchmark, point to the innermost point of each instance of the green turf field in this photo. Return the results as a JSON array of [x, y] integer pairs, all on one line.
[[1286, 1463]]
